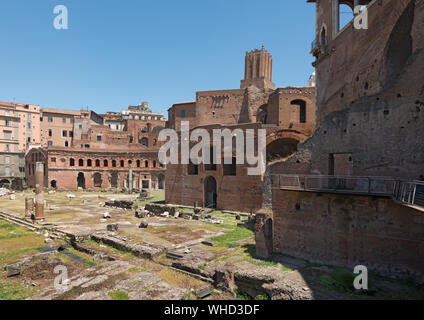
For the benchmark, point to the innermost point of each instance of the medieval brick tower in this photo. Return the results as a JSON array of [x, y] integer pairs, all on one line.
[[258, 70]]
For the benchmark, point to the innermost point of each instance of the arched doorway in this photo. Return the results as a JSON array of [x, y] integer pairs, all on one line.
[[5, 183], [81, 180], [280, 149], [210, 193], [97, 179], [114, 179], [53, 184], [161, 182]]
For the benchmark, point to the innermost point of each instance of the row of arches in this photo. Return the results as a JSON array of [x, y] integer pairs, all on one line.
[[115, 163], [97, 179]]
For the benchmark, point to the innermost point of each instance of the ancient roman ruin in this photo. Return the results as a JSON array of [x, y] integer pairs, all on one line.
[[343, 185]]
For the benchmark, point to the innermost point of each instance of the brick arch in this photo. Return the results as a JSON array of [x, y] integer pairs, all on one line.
[[286, 134]]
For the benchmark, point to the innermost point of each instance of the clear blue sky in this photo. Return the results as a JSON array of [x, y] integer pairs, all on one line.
[[119, 53]]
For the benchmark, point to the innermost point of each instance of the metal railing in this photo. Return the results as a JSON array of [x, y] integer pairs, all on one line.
[[411, 193], [405, 192], [381, 186]]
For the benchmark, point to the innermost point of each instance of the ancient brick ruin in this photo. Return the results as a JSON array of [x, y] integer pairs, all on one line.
[[287, 114], [347, 196]]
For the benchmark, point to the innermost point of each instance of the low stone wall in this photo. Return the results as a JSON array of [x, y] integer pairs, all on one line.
[[349, 231]]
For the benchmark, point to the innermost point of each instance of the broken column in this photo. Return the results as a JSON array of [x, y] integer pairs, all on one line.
[[29, 207], [263, 233], [39, 191], [130, 179]]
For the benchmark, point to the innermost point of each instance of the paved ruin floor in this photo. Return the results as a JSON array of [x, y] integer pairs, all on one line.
[[166, 260]]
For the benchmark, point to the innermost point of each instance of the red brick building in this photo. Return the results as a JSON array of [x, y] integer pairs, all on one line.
[[353, 193], [79, 151], [287, 115]]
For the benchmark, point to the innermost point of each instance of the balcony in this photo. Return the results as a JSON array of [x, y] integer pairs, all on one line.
[[375, 186]]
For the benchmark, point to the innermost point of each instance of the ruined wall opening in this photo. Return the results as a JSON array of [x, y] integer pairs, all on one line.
[[262, 114], [81, 180], [280, 149], [97, 179], [53, 184], [5, 183], [342, 14], [114, 179], [298, 114], [144, 142], [161, 182], [211, 166], [192, 169], [145, 184], [211, 195], [230, 169]]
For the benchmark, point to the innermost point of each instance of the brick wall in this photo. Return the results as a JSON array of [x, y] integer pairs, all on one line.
[[349, 231]]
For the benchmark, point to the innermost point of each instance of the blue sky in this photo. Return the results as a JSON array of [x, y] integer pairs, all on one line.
[[119, 53]]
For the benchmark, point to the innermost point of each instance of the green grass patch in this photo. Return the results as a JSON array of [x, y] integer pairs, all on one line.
[[118, 295], [231, 238], [341, 279], [12, 231], [13, 291]]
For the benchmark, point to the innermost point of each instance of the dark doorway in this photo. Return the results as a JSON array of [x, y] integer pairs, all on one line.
[[81, 180], [114, 179], [4, 183], [210, 193], [53, 184], [97, 178], [161, 182], [299, 112]]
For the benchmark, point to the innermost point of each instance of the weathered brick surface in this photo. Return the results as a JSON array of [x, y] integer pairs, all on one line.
[[349, 231]]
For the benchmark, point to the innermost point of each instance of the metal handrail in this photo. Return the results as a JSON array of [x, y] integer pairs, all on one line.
[[406, 192]]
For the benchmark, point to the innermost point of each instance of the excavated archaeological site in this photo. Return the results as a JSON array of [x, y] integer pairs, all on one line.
[[121, 246]]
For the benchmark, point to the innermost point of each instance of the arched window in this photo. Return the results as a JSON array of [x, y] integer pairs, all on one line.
[[154, 163], [89, 163], [97, 163], [146, 163], [323, 36], [145, 142], [122, 163], [105, 163], [71, 162], [114, 163], [81, 162], [157, 129], [138, 163]]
